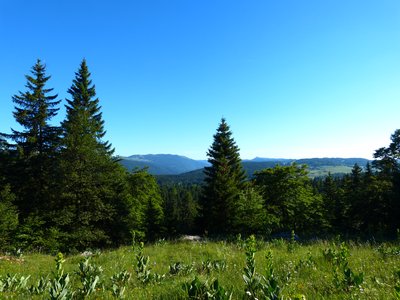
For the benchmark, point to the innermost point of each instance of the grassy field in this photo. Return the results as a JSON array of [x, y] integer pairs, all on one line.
[[317, 270]]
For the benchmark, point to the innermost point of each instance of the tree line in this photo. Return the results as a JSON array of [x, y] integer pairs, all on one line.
[[62, 188]]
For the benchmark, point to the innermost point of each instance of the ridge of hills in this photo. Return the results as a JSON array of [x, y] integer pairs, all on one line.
[[162, 164], [169, 168]]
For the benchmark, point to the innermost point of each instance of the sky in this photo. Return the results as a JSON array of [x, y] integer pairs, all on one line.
[[294, 79]]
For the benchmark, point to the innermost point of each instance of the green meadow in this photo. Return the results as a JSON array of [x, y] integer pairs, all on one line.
[[210, 270]]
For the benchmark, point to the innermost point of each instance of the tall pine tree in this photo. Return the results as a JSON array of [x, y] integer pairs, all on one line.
[[224, 180], [93, 184], [36, 145]]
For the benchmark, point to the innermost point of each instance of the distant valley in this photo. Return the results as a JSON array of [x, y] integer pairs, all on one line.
[[170, 168]]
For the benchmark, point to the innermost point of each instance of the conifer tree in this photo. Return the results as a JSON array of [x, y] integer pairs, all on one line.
[[333, 205], [92, 185], [388, 166], [223, 182], [33, 111], [36, 144]]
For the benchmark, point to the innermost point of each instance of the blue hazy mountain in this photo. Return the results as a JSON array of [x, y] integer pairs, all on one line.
[[162, 164]]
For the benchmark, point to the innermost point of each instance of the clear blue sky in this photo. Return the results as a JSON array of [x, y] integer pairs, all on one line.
[[294, 79]]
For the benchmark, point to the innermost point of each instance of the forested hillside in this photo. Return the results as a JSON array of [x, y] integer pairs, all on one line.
[[167, 164], [317, 167], [62, 187]]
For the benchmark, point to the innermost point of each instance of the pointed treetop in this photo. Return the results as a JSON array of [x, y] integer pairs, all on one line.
[[84, 115], [33, 110]]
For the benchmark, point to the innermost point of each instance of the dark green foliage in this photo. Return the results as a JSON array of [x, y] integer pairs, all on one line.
[[34, 235], [92, 184], [146, 207], [250, 215], [33, 110], [8, 217], [181, 208], [387, 162], [333, 208], [223, 182], [357, 203], [290, 200], [35, 147]]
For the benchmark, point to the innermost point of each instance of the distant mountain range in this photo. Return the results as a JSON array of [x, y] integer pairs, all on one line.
[[162, 164], [175, 168]]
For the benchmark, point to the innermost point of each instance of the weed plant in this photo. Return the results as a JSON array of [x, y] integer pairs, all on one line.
[[234, 270]]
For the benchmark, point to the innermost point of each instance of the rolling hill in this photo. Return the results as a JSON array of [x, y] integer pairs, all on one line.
[[317, 167], [170, 168], [162, 164]]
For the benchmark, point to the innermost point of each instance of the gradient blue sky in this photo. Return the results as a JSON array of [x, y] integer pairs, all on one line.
[[294, 79]]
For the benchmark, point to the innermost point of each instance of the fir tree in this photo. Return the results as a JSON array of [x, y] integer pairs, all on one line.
[[33, 111], [36, 145], [223, 182], [93, 186]]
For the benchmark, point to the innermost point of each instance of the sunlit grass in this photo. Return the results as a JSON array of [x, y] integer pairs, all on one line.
[[301, 270]]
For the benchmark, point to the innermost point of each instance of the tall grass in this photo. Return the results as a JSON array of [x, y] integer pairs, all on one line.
[[179, 270]]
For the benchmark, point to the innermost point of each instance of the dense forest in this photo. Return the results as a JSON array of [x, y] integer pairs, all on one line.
[[62, 188]]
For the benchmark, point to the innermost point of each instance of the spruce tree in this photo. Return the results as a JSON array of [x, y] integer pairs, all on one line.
[[223, 182], [33, 111], [36, 145], [93, 186]]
